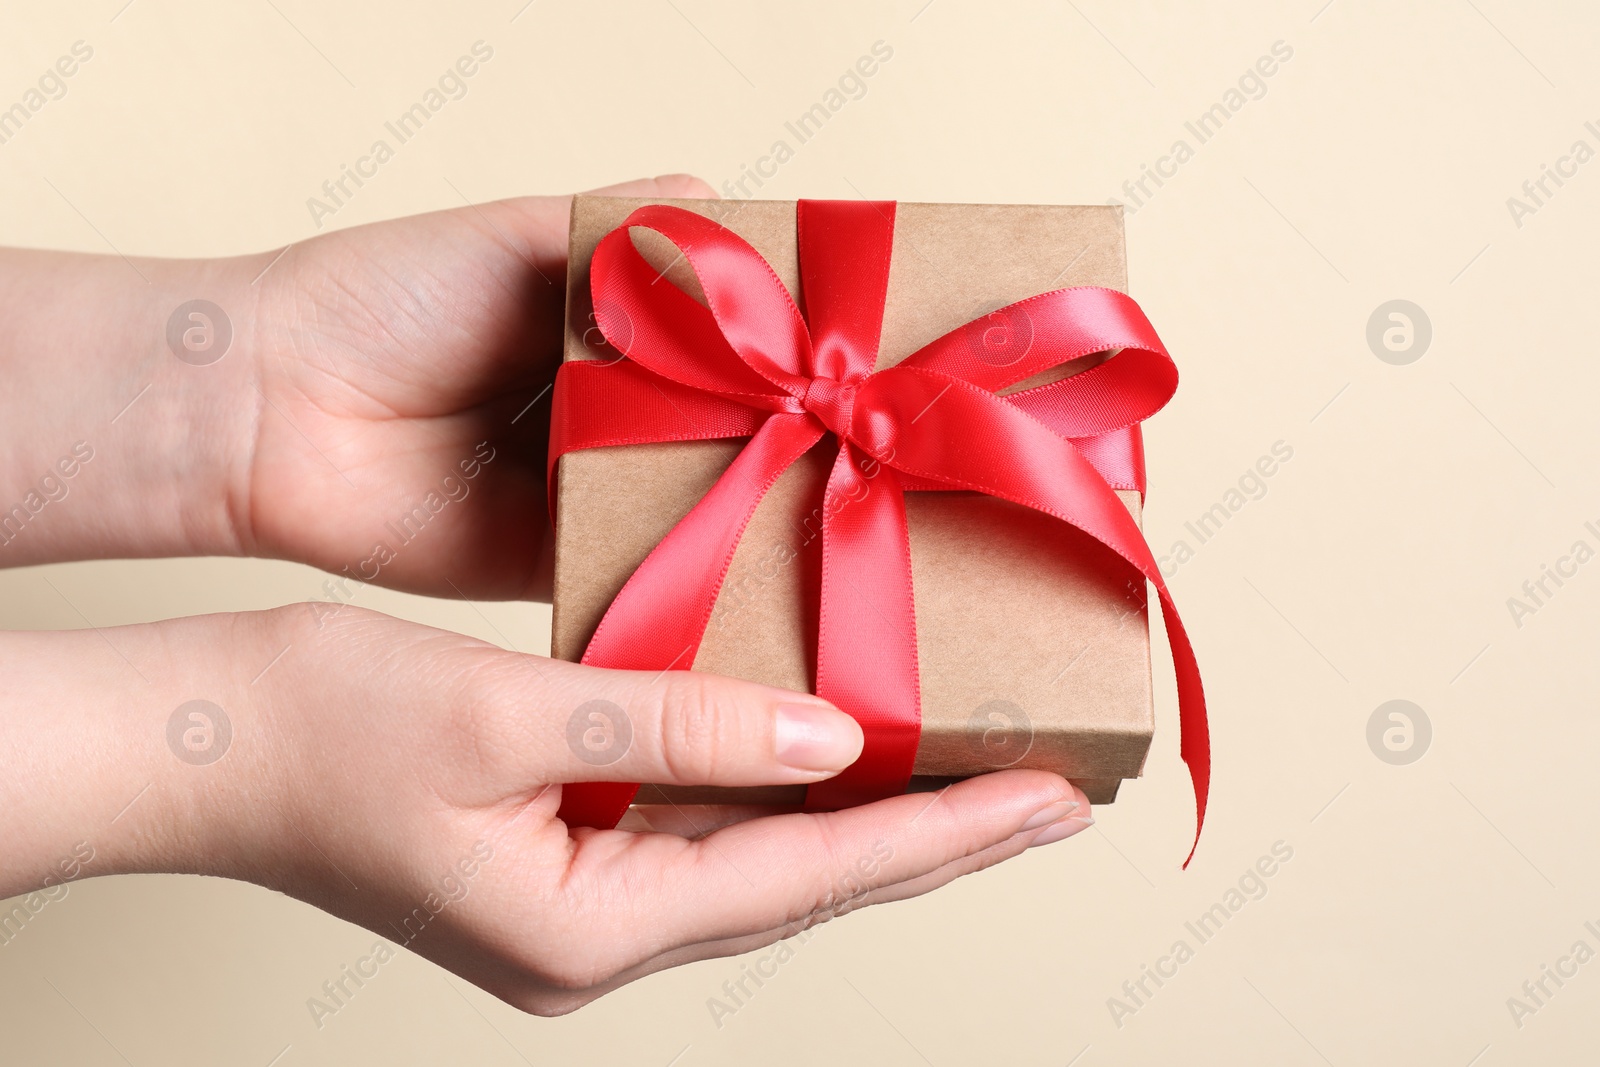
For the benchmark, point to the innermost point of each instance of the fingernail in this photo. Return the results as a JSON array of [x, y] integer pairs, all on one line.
[[1063, 830], [1050, 813], [813, 737]]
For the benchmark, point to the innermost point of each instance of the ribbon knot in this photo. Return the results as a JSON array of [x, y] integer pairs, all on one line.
[[833, 404], [746, 363]]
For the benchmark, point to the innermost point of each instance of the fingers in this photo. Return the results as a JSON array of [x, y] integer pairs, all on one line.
[[674, 728], [694, 820], [665, 187], [1070, 825], [770, 872], [542, 221], [544, 1000]]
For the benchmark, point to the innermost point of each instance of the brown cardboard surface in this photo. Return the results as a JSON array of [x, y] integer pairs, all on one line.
[[1034, 649], [1098, 790]]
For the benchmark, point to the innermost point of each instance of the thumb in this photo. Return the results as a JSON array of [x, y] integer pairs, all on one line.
[[689, 728]]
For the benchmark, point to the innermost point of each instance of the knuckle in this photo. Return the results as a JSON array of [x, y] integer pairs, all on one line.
[[699, 728], [478, 730], [825, 912], [850, 872], [830, 893], [315, 623]]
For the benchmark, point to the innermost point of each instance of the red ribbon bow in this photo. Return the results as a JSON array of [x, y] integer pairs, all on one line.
[[747, 364]]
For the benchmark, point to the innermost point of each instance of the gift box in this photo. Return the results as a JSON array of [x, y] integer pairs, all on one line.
[[1031, 643]]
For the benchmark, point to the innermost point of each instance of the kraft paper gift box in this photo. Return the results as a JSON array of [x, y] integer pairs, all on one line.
[[1033, 644]]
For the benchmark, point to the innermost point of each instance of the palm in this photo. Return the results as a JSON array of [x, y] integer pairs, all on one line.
[[392, 355]]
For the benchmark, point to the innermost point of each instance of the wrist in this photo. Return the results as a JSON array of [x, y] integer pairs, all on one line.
[[133, 749], [121, 443]]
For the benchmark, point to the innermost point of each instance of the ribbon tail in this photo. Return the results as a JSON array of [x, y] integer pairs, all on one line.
[[1056, 479], [658, 620], [1195, 746], [867, 630]]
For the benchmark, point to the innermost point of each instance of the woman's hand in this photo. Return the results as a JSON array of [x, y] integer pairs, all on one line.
[[407, 779], [372, 401], [405, 370]]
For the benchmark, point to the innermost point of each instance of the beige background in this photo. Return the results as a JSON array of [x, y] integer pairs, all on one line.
[[1376, 166]]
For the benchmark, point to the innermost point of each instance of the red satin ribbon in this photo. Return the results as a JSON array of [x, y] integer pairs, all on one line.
[[747, 364]]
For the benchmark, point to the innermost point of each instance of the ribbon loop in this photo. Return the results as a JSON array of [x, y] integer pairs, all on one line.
[[759, 326]]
